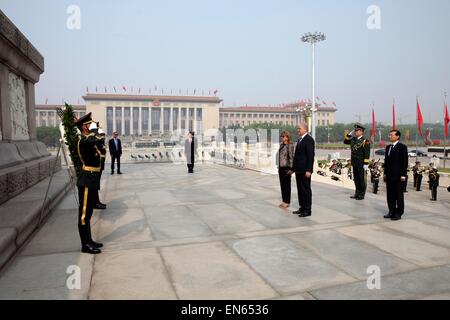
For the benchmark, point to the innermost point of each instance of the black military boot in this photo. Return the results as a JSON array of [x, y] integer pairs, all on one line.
[[92, 242], [100, 206], [89, 248], [86, 247]]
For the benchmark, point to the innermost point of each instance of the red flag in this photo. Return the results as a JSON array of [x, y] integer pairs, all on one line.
[[374, 126], [324, 102], [317, 98], [394, 127], [419, 119], [124, 88], [215, 91], [446, 120]]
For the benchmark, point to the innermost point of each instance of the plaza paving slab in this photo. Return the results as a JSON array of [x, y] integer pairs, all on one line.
[[219, 234]]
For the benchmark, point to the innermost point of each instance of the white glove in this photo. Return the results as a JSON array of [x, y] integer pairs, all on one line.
[[366, 167]]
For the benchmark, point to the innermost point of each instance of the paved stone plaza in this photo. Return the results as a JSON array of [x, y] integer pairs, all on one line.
[[218, 234]]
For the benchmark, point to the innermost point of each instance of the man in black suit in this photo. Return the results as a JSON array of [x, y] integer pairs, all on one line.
[[190, 150], [303, 168], [395, 169], [115, 150]]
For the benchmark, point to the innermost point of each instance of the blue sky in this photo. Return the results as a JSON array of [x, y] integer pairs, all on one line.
[[249, 50]]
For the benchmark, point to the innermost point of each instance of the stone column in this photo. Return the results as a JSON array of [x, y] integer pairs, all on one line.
[[171, 121], [179, 120], [149, 121], [114, 119], [140, 121], [194, 127], [122, 124], [131, 121], [161, 121]]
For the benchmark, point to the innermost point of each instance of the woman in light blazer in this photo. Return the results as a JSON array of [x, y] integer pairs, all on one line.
[[285, 165]]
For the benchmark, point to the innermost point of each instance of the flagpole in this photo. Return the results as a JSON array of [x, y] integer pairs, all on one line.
[[445, 137], [417, 125], [373, 133]]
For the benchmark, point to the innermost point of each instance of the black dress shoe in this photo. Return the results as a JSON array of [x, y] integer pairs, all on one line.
[[359, 198], [112, 172], [388, 216], [96, 244], [305, 214], [300, 211], [353, 197], [119, 172], [395, 217], [100, 206], [89, 248]]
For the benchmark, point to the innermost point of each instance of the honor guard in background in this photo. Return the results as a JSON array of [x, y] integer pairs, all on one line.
[[102, 149], [360, 150], [417, 176], [88, 182], [434, 183]]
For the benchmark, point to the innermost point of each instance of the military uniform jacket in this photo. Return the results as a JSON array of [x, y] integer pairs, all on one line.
[[360, 149], [434, 179], [102, 150], [89, 153]]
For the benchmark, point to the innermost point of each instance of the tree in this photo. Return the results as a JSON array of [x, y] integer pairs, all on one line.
[[48, 135]]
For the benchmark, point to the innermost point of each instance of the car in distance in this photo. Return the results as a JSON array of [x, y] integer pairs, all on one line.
[[380, 152], [417, 153]]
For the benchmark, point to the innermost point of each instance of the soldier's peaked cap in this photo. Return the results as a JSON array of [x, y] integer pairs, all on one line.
[[358, 126], [86, 119]]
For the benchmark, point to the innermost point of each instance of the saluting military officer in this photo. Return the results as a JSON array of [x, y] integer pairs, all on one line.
[[88, 182], [360, 149], [101, 146]]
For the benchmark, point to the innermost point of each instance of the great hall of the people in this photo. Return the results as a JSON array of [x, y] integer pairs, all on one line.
[[160, 115]]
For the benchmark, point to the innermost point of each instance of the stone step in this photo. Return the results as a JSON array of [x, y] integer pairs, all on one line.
[[20, 216]]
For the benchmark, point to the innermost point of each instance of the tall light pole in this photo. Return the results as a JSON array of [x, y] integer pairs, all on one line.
[[313, 38]]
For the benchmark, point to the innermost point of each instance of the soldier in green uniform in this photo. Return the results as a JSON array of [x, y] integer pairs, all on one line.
[[434, 182], [88, 182], [360, 149], [101, 146], [418, 175]]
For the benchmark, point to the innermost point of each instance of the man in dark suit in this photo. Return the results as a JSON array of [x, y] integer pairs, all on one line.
[[303, 168], [190, 150], [395, 169], [115, 150]]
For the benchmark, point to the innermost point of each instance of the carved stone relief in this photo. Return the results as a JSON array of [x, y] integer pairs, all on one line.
[[18, 108]]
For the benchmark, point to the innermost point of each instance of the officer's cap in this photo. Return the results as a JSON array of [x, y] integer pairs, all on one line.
[[359, 127], [86, 119]]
